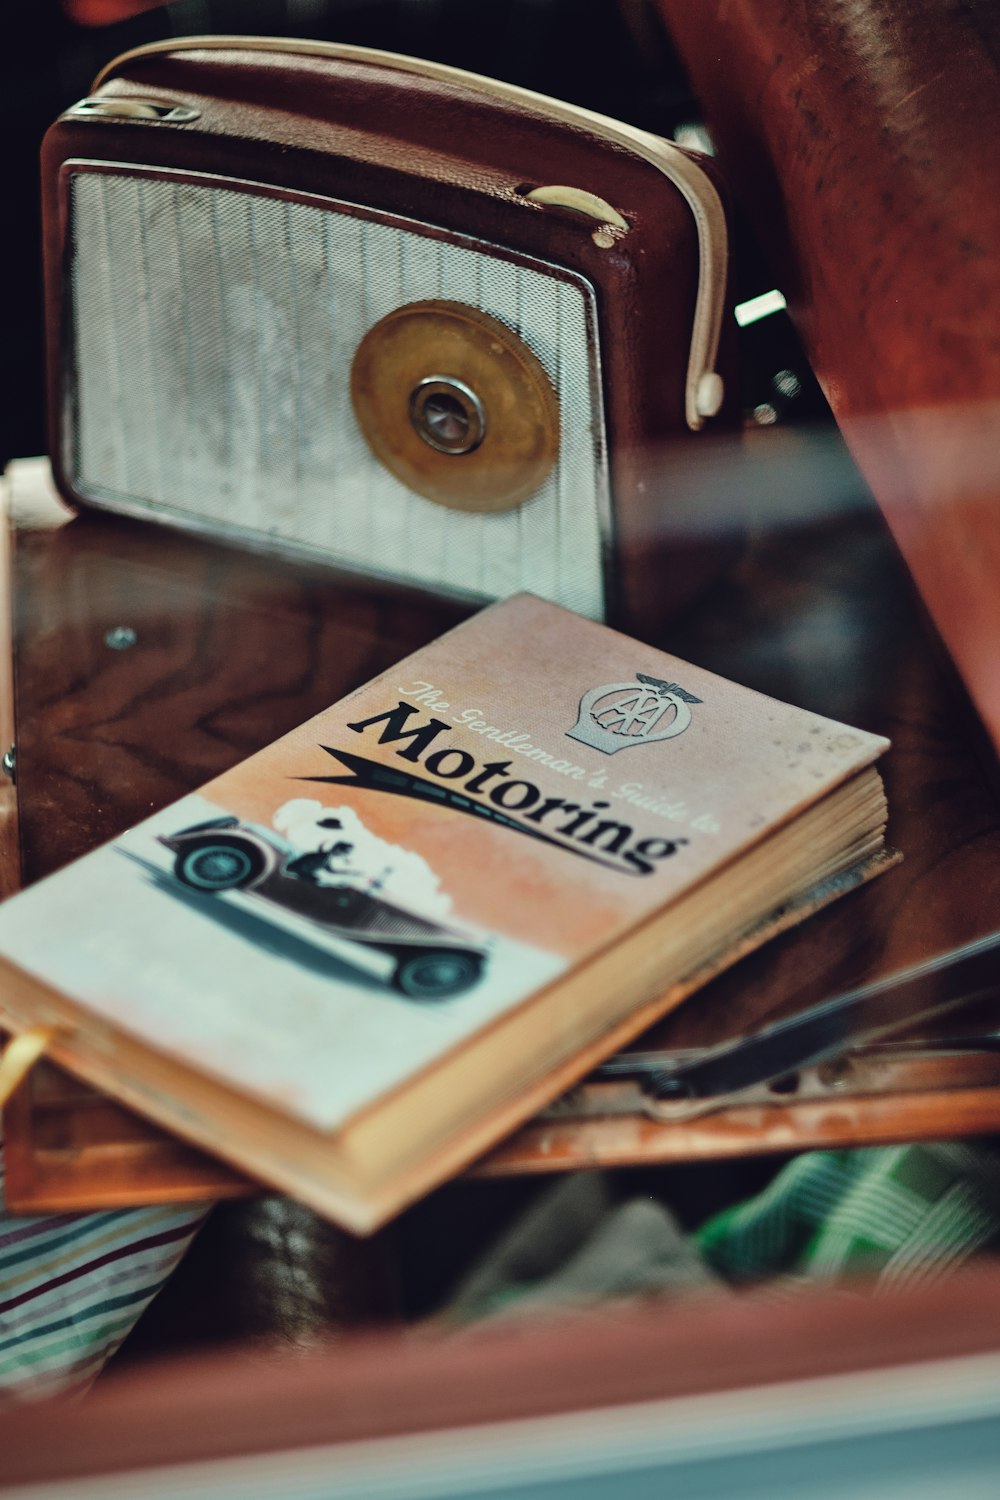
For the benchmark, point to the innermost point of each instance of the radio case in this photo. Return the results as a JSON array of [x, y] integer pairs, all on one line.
[[230, 220]]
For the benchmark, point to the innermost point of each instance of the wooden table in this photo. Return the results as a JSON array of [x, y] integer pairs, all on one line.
[[145, 662]]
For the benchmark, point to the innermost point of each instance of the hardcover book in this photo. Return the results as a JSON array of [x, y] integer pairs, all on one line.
[[355, 961]]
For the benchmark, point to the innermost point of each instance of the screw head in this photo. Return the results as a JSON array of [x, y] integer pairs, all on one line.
[[120, 638], [837, 1073], [663, 1085]]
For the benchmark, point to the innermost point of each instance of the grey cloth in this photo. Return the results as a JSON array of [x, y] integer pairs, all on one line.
[[576, 1246]]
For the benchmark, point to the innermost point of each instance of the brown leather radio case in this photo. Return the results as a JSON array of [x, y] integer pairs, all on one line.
[[228, 219]]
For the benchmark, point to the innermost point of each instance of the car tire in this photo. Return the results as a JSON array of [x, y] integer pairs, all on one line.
[[218, 864], [437, 973]]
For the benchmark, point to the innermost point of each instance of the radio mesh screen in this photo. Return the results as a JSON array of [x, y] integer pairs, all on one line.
[[214, 330]]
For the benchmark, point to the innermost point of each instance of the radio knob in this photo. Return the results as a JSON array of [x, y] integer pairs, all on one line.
[[495, 408], [448, 415]]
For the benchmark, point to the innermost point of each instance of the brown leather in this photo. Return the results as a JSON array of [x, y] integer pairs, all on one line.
[[864, 138], [449, 156]]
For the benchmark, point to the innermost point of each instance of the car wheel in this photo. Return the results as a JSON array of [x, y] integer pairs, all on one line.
[[217, 865], [437, 973]]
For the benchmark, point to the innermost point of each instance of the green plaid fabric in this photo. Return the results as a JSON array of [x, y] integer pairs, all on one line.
[[897, 1215], [880, 1217]]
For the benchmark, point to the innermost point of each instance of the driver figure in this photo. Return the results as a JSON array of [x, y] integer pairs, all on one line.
[[330, 864]]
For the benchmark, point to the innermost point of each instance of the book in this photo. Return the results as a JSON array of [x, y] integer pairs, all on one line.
[[356, 960]]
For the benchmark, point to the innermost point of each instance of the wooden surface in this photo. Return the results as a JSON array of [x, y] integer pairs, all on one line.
[[609, 1366], [231, 649], [863, 137]]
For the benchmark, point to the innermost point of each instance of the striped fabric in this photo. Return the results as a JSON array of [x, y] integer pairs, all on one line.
[[72, 1286], [894, 1215]]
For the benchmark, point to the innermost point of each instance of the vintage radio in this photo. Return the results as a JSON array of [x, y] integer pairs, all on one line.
[[422, 325]]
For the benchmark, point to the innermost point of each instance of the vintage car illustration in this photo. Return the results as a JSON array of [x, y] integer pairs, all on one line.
[[430, 960]]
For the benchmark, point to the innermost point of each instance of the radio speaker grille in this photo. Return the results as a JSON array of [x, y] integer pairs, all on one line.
[[214, 329]]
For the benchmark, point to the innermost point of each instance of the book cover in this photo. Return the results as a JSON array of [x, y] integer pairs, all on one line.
[[346, 912]]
